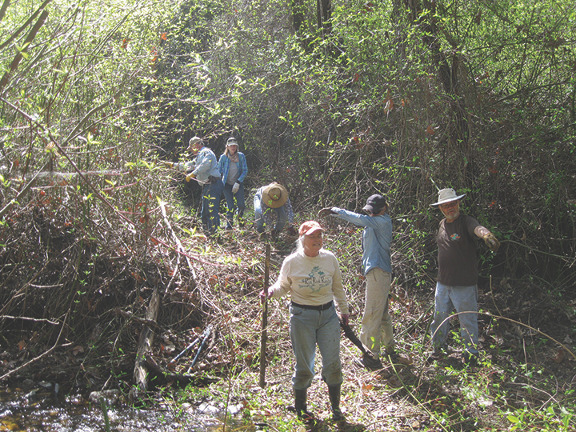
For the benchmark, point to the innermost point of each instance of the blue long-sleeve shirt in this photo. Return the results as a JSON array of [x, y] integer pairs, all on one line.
[[203, 166], [376, 238], [224, 167]]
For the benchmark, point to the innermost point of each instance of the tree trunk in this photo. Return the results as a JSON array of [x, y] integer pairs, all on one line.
[[324, 13], [298, 18], [145, 346], [457, 129]]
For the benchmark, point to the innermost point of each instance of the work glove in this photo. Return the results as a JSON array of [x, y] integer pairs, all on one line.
[[190, 176], [168, 164], [235, 187], [491, 241], [292, 231], [326, 211]]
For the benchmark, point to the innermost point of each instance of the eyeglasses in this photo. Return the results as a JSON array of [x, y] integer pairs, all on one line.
[[449, 204]]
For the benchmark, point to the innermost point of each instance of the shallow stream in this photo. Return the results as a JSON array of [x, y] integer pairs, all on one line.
[[39, 409]]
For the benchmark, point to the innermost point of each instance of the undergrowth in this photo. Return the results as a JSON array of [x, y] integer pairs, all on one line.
[[99, 295]]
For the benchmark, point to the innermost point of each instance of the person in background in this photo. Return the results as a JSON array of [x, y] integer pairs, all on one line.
[[377, 328], [233, 168], [456, 286], [269, 201], [311, 277], [204, 169]]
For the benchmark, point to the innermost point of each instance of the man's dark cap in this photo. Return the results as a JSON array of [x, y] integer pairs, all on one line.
[[375, 203]]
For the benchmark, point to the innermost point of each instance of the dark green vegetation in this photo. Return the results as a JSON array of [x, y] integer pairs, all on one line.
[[336, 100]]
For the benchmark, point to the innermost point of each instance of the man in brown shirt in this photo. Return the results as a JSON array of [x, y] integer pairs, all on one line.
[[456, 286]]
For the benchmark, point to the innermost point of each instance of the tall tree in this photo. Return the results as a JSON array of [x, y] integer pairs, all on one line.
[[324, 15], [425, 14]]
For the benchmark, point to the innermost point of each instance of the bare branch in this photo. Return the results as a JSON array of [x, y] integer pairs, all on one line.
[[15, 34], [19, 56]]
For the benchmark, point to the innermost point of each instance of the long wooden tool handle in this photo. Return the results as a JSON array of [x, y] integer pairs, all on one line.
[[264, 334]]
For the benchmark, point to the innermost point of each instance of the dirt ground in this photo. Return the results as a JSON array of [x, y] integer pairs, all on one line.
[[85, 335]]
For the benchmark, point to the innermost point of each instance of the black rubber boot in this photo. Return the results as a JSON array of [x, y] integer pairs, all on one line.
[[334, 393], [300, 406]]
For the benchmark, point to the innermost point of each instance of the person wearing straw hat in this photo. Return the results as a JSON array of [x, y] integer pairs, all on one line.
[[312, 278], [233, 168], [269, 201], [377, 331], [204, 169], [456, 286]]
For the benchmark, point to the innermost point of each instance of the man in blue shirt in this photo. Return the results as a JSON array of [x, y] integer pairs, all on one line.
[[204, 169], [376, 238]]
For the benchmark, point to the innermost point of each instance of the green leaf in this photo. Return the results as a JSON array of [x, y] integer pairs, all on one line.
[[513, 419]]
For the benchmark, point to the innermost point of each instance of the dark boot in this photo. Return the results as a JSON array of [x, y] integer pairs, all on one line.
[[300, 406], [369, 362], [334, 393]]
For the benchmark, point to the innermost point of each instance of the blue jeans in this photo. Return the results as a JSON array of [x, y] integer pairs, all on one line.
[[465, 300], [260, 218], [309, 328], [211, 195], [233, 202]]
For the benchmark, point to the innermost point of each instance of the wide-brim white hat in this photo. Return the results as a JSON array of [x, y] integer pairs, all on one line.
[[446, 196]]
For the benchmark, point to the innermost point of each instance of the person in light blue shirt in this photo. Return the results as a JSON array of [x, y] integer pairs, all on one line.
[[233, 169], [377, 329], [204, 169]]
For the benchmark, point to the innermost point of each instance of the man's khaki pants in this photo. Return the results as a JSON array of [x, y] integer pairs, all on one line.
[[377, 329]]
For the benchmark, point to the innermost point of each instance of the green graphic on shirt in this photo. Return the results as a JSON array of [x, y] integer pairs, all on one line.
[[316, 280]]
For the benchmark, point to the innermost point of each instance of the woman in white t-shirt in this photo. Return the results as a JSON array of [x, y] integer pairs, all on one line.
[[311, 277]]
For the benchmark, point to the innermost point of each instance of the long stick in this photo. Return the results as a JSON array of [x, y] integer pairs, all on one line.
[[194, 342], [205, 337], [264, 336]]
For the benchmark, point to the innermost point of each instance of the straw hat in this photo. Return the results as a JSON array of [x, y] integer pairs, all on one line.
[[274, 195], [446, 196]]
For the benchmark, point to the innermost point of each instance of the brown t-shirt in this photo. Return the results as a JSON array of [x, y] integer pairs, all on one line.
[[457, 258]]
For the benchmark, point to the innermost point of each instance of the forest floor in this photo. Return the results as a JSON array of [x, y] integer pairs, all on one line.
[[526, 375]]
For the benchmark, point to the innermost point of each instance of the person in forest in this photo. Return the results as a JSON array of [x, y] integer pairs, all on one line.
[[456, 286], [273, 200], [233, 168], [311, 277], [204, 169], [377, 331]]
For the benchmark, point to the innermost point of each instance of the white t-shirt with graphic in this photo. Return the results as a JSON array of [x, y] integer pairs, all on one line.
[[311, 281]]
